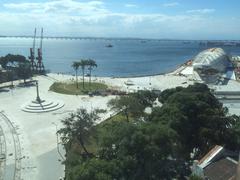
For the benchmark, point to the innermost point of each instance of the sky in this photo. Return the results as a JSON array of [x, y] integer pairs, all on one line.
[[161, 19]]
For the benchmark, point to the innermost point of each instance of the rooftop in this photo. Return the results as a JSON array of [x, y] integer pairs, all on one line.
[[218, 164], [209, 156], [223, 169], [207, 56]]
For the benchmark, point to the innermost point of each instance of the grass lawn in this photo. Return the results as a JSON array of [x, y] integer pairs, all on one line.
[[71, 88]]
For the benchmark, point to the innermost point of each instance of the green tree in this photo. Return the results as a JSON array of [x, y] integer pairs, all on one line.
[[12, 59], [190, 118], [17, 65], [196, 115], [144, 151], [168, 92], [133, 104], [129, 105], [95, 169], [145, 98], [24, 70], [78, 126], [194, 177], [75, 66], [91, 64], [132, 151], [232, 137]]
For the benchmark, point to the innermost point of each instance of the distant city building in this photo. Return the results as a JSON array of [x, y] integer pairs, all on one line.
[[218, 164], [211, 59], [210, 64]]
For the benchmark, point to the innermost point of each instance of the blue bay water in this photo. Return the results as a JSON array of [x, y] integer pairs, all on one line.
[[127, 57]]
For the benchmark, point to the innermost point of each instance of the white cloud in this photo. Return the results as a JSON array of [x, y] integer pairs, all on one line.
[[59, 6], [73, 18], [131, 5], [201, 11], [171, 4]]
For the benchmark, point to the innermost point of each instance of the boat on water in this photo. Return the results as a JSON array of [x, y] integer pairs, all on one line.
[[186, 42], [109, 46]]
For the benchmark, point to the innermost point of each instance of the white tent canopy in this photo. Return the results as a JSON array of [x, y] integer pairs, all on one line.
[[129, 82]]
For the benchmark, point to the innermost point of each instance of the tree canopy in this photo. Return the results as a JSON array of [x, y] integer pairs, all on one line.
[[78, 126], [196, 115], [19, 67], [10, 58], [190, 120], [132, 151], [133, 104], [24, 70]]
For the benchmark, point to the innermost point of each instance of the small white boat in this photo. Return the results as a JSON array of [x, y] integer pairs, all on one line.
[[109, 46]]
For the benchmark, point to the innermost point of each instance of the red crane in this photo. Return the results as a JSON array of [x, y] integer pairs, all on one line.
[[32, 52]]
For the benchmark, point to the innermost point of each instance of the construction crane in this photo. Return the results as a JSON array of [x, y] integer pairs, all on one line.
[[40, 66], [32, 52]]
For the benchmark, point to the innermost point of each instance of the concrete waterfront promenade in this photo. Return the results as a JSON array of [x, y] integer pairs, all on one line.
[[29, 141], [36, 145]]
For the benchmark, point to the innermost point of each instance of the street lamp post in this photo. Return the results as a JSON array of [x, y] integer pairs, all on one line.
[[38, 97]]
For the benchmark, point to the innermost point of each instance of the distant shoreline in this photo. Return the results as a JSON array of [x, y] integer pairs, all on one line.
[[123, 77], [147, 75], [127, 76], [172, 70]]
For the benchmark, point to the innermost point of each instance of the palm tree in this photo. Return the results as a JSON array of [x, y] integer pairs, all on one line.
[[75, 66], [83, 63], [91, 64]]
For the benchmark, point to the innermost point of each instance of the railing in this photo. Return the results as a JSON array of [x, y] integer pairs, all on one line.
[[3, 154], [17, 146]]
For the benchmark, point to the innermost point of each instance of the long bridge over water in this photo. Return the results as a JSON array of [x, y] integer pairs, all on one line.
[[74, 38], [143, 40]]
